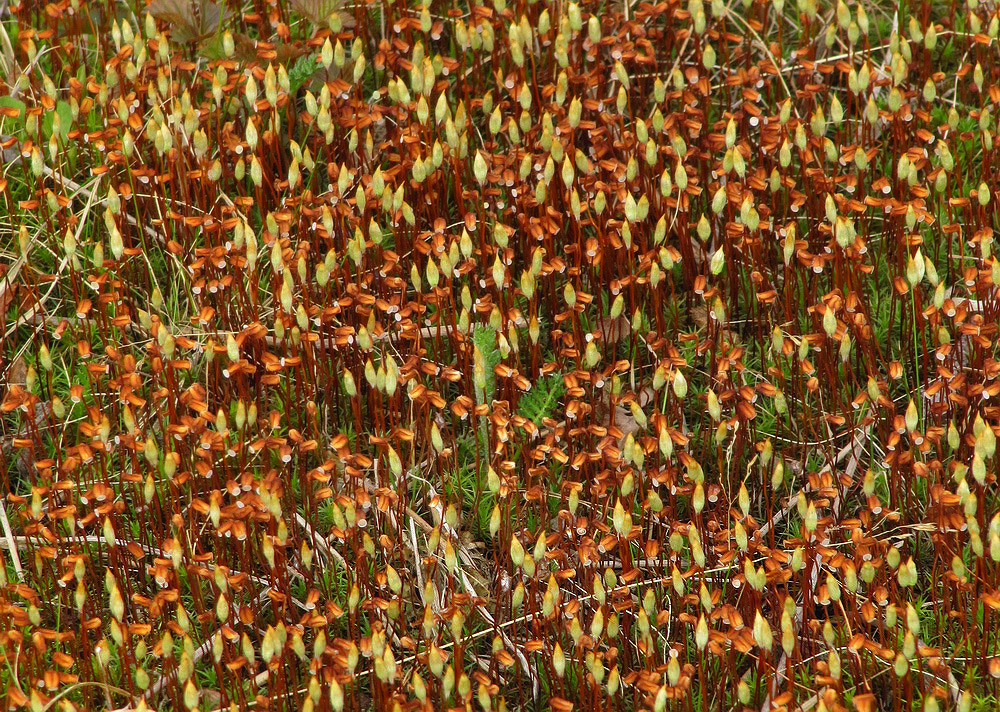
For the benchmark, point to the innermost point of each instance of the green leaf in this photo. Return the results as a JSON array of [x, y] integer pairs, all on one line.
[[211, 48], [301, 72], [65, 117], [540, 402], [10, 102], [485, 338]]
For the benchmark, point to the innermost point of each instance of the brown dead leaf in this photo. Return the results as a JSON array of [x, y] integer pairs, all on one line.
[[625, 421], [317, 10], [613, 329], [188, 19], [699, 315], [17, 372], [288, 53]]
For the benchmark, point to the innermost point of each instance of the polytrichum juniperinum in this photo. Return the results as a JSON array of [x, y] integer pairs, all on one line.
[[520, 355]]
